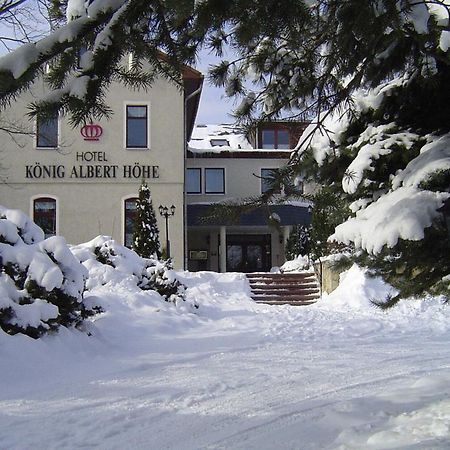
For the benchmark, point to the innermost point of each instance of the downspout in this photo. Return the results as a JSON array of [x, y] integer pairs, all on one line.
[[185, 246]]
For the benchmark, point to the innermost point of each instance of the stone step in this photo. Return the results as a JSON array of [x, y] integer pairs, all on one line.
[[284, 287], [299, 297], [287, 302], [297, 289], [277, 276], [284, 294], [282, 280]]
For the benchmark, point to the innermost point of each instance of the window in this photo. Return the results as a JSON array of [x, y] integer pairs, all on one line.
[[275, 139], [130, 218], [44, 215], [137, 126], [219, 143], [268, 139], [215, 181], [282, 139], [47, 131], [267, 178], [193, 181]]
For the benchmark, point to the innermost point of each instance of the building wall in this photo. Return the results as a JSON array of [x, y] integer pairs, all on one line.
[[91, 203], [240, 182], [239, 179]]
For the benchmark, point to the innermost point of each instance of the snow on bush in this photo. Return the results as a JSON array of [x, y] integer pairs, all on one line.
[[298, 264], [401, 206], [109, 262], [41, 282], [400, 214]]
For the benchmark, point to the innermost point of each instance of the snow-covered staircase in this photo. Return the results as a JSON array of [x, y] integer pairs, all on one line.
[[296, 289]]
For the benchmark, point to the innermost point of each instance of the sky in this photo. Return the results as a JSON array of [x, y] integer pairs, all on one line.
[[215, 107]]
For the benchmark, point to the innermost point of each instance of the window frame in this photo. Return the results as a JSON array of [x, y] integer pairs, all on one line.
[[125, 216], [276, 139], [206, 169], [199, 170], [214, 142], [263, 178], [38, 135], [47, 198], [147, 125]]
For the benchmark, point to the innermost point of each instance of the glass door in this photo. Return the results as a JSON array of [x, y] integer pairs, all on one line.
[[248, 253]]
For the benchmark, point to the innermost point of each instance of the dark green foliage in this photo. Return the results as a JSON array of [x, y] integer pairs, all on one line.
[[386, 303], [298, 242], [141, 27], [414, 267], [16, 274], [103, 256], [329, 211], [152, 274], [146, 233], [69, 308], [295, 54], [33, 303], [157, 278]]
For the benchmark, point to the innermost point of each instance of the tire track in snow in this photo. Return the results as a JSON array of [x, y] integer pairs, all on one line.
[[312, 409]]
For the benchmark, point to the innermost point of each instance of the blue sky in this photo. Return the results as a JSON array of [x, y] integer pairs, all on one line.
[[214, 106]]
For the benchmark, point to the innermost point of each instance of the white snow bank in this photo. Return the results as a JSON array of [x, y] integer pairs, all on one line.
[[231, 374], [110, 263], [357, 290]]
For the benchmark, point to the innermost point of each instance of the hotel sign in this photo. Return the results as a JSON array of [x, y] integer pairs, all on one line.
[[38, 171]]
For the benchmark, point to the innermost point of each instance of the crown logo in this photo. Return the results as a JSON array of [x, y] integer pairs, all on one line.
[[91, 132]]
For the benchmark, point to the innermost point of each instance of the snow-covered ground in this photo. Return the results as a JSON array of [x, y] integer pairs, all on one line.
[[233, 374]]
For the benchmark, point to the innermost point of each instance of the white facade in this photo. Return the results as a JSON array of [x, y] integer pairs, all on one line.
[[82, 182], [89, 180], [223, 166]]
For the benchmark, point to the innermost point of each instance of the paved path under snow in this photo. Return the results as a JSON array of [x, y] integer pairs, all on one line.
[[243, 377]]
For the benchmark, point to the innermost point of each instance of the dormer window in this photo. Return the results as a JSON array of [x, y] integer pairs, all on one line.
[[219, 143], [277, 138]]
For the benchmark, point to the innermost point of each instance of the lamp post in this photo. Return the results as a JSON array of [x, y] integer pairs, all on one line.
[[167, 212]]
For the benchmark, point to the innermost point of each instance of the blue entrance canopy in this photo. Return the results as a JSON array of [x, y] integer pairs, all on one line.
[[197, 215]]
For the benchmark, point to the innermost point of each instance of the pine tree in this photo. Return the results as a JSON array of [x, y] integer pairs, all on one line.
[[146, 233], [298, 242], [105, 34], [302, 59]]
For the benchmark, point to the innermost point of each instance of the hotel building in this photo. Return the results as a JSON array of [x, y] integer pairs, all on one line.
[[81, 182]]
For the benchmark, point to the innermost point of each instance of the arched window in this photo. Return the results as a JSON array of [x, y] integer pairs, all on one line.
[[130, 219], [44, 215]]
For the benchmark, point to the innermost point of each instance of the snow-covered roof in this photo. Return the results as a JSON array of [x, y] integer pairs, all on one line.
[[217, 138]]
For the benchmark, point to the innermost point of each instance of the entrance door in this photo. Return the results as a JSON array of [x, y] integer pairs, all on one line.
[[248, 253]]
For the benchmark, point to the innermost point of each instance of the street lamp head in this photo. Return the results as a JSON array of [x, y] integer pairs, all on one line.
[[165, 211]]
